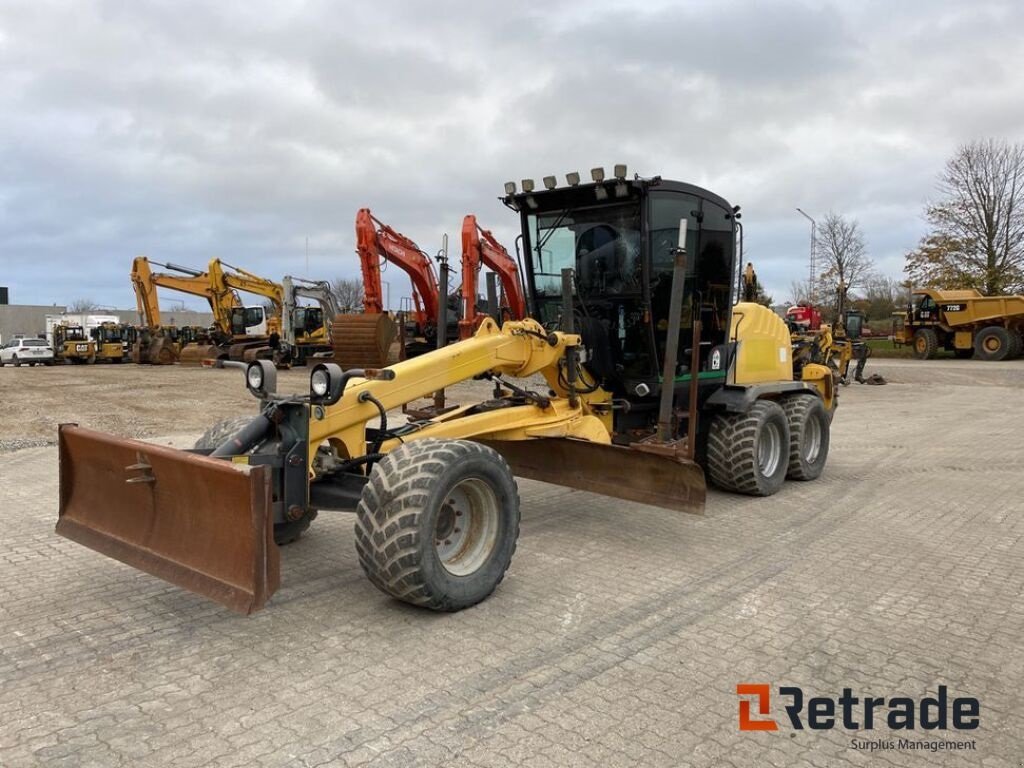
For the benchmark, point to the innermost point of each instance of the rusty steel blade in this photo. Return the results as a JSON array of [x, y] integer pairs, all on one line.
[[200, 523], [655, 478]]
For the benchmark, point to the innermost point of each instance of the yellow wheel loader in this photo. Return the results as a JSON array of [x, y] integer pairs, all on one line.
[[111, 340], [72, 345], [636, 374]]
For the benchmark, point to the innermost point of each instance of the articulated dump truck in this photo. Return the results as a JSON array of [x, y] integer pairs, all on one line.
[[963, 322], [652, 377]]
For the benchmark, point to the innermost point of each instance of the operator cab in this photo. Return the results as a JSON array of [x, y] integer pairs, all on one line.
[[249, 321], [620, 236], [308, 320]]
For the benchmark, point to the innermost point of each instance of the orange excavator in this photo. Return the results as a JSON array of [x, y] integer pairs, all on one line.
[[479, 247], [376, 241]]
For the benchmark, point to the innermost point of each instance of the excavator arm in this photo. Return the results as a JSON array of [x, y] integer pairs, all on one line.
[[479, 247], [229, 282], [320, 291], [145, 282], [375, 241]]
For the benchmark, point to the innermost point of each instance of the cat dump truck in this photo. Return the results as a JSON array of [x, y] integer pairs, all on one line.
[[963, 322], [652, 378]]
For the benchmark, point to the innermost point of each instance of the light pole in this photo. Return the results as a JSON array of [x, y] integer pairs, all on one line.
[[810, 271]]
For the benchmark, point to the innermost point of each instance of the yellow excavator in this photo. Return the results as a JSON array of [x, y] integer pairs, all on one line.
[[156, 343], [242, 332], [651, 378]]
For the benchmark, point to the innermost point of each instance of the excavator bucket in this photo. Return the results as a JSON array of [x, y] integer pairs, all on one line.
[[194, 354], [362, 341], [659, 478], [200, 523]]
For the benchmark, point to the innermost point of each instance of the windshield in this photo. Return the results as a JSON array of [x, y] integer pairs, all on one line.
[[601, 244]]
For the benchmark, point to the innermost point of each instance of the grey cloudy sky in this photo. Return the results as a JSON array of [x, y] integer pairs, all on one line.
[[238, 129]]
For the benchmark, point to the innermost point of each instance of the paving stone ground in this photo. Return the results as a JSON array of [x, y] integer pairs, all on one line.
[[617, 639]]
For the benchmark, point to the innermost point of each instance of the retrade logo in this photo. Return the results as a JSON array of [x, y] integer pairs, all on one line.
[[850, 712], [761, 693]]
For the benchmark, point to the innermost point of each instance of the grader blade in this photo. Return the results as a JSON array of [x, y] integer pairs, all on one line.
[[656, 478], [200, 523]]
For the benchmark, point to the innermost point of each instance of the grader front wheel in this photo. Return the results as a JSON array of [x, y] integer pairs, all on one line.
[[437, 523]]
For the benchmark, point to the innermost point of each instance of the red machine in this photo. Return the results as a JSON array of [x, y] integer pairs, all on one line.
[[805, 316], [375, 241], [480, 247]]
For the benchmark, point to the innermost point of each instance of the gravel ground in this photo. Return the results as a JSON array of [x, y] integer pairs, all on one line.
[[134, 401]]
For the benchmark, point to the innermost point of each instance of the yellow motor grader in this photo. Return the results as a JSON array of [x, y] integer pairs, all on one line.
[[635, 376]]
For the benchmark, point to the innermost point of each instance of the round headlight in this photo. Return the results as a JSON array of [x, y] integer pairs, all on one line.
[[320, 382], [254, 377]]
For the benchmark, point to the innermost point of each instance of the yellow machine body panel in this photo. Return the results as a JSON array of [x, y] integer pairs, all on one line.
[[764, 350]]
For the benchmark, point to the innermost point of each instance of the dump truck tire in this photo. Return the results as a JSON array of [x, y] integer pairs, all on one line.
[[749, 452], [284, 533], [992, 343], [437, 523], [926, 344], [1016, 344], [809, 433]]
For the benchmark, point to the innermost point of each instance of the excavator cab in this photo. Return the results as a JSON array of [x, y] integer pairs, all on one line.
[[249, 321]]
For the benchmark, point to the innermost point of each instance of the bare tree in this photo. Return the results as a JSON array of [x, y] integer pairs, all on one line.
[[977, 228], [800, 292], [79, 306], [843, 254], [348, 292]]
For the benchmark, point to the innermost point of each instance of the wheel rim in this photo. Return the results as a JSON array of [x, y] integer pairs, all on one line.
[[992, 344], [922, 345], [812, 440], [769, 449], [466, 529]]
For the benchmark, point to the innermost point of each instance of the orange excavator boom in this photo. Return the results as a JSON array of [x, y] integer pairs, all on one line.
[[479, 247], [375, 241]]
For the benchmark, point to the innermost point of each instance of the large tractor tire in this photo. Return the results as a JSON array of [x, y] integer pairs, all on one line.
[[749, 452], [992, 343], [809, 436], [284, 533], [437, 523], [926, 344]]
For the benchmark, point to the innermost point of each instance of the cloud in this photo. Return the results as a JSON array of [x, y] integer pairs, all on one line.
[[188, 130]]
